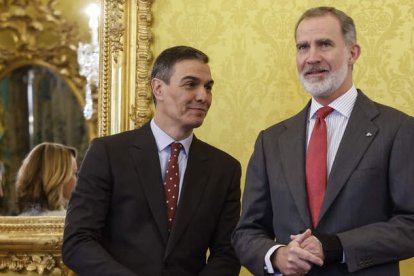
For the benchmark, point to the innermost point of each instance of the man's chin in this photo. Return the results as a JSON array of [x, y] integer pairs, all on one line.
[[196, 123], [316, 89]]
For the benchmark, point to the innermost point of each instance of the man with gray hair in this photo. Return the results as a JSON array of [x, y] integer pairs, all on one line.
[[330, 190]]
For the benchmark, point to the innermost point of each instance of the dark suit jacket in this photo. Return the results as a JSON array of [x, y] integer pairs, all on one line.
[[116, 222], [369, 202]]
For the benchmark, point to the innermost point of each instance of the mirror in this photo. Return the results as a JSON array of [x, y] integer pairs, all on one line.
[[37, 106]]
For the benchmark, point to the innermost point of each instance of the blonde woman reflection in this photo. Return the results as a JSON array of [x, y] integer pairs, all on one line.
[[46, 179]]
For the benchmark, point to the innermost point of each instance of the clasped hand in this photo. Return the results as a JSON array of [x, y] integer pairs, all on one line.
[[298, 257]]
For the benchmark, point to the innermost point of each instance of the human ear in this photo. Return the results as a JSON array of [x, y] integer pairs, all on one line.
[[157, 88], [355, 51]]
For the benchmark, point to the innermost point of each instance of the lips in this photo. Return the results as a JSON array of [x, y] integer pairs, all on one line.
[[199, 109], [316, 71]]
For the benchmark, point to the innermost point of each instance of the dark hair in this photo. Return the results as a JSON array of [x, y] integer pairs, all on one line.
[[346, 22], [164, 64]]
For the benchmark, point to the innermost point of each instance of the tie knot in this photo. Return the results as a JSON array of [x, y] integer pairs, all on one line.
[[323, 112], [176, 147]]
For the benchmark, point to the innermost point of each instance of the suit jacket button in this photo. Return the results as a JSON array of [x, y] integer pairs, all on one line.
[[165, 265]]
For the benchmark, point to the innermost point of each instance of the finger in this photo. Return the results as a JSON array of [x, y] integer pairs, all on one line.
[[294, 264], [301, 237], [311, 258], [311, 241], [299, 267]]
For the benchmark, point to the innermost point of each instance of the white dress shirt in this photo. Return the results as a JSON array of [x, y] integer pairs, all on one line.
[[163, 141]]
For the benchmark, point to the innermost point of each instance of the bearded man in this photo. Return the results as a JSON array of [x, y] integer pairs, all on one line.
[[330, 190]]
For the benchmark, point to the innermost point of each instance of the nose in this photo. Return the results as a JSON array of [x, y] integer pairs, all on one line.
[[203, 94], [313, 56]]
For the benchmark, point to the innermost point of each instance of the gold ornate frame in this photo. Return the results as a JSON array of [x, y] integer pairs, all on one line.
[[33, 244], [125, 98]]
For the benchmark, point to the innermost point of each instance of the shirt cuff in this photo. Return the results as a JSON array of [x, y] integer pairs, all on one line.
[[268, 263]]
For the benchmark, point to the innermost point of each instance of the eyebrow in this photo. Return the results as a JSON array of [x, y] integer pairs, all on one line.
[[324, 40], [302, 43], [320, 40], [210, 82]]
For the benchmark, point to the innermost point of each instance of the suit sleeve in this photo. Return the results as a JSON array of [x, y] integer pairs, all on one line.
[[392, 240], [253, 236], [82, 249], [222, 259]]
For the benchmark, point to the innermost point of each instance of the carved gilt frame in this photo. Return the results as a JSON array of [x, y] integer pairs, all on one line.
[[33, 244], [125, 97]]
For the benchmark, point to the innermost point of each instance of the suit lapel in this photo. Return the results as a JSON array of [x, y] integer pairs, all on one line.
[[144, 152], [194, 184], [292, 148], [358, 135]]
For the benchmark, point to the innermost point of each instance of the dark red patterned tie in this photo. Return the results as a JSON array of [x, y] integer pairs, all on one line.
[[316, 165], [171, 182]]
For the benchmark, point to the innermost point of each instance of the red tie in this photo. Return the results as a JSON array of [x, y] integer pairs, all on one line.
[[171, 182], [316, 165]]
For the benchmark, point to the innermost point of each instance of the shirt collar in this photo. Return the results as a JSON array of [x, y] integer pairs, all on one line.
[[163, 140], [343, 104]]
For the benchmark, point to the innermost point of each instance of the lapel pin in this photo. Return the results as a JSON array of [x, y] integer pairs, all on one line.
[[369, 134]]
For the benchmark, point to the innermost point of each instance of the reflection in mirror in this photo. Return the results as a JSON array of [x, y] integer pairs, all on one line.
[[42, 94], [36, 105]]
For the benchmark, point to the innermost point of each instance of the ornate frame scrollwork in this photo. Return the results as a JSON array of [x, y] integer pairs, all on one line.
[[32, 244], [141, 111], [125, 98]]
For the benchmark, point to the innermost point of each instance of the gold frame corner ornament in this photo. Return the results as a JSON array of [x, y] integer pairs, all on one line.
[[125, 98], [32, 244]]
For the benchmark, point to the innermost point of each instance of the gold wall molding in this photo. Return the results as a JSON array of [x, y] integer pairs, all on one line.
[[32, 244], [125, 59], [106, 59], [116, 28], [31, 263], [141, 110]]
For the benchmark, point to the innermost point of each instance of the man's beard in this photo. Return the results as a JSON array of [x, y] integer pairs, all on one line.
[[319, 88]]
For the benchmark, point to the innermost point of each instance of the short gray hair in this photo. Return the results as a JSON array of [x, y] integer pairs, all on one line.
[[347, 23]]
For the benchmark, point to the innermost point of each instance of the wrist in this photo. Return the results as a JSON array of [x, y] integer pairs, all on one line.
[[331, 246], [275, 258]]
